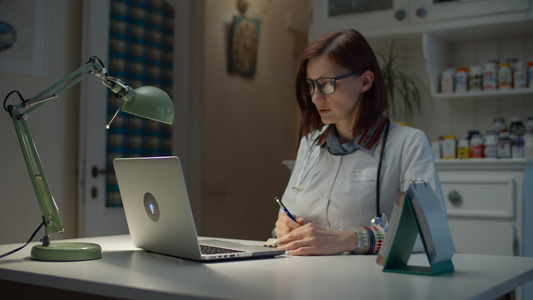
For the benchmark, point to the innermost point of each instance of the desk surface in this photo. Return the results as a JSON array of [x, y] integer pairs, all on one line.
[[127, 272]]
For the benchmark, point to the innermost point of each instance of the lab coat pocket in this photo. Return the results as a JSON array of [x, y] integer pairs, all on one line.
[[364, 175], [363, 182]]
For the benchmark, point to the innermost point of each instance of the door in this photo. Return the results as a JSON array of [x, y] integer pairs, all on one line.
[[97, 214]]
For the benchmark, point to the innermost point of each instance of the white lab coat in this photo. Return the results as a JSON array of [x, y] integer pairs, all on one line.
[[339, 192]]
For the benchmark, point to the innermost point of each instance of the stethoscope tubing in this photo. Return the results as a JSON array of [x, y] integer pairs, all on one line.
[[317, 156]]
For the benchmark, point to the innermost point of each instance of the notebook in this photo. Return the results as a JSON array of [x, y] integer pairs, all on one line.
[[159, 215]]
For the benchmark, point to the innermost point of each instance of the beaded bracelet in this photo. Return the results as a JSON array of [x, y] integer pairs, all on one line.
[[379, 235], [369, 239], [363, 244]]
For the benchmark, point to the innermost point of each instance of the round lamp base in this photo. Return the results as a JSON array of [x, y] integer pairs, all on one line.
[[66, 252]]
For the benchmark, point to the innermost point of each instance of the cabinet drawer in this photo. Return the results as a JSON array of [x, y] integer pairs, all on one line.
[[478, 194], [483, 237]]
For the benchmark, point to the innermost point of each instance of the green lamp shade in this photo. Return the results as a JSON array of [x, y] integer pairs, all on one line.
[[151, 103]]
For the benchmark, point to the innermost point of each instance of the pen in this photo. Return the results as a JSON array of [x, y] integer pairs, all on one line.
[[285, 209]]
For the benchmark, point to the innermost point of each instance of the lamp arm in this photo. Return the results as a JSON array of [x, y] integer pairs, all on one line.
[[19, 114], [45, 199], [93, 67]]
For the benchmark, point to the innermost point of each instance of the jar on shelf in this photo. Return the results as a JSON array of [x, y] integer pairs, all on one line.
[[505, 76], [504, 145], [519, 76], [449, 147], [499, 125], [475, 79], [447, 81], [517, 147], [516, 128], [461, 80], [490, 75], [476, 146], [463, 149], [491, 144]]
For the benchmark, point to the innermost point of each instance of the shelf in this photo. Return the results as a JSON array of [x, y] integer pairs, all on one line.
[[476, 95], [482, 164], [442, 51]]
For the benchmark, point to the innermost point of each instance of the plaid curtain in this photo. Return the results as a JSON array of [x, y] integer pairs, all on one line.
[[141, 53]]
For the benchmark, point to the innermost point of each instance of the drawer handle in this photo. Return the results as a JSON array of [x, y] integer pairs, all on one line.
[[421, 12], [400, 14], [454, 197]]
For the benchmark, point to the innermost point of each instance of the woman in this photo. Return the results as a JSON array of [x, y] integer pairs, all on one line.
[[332, 191]]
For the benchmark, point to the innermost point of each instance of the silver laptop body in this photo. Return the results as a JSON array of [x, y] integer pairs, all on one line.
[[159, 215]]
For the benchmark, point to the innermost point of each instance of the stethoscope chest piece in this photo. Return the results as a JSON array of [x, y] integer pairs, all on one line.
[[381, 221]]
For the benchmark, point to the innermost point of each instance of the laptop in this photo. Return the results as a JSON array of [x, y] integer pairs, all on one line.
[[159, 215]]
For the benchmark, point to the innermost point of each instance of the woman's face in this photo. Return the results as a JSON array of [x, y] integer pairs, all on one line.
[[339, 107]]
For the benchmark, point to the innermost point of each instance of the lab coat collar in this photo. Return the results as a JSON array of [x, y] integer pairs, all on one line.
[[367, 140]]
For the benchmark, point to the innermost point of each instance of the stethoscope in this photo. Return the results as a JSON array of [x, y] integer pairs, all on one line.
[[380, 219]]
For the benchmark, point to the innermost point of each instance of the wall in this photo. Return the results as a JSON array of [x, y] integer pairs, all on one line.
[[245, 127], [54, 128], [248, 123]]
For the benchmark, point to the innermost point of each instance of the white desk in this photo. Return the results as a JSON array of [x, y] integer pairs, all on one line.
[[126, 272]]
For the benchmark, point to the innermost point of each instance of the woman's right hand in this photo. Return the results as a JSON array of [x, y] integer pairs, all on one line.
[[285, 225]]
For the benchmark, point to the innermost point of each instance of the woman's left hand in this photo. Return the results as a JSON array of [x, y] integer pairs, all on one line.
[[311, 239]]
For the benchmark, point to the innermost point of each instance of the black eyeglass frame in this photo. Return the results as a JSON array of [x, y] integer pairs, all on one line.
[[308, 85]]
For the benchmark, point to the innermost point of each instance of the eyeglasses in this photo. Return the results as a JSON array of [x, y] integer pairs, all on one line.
[[326, 85]]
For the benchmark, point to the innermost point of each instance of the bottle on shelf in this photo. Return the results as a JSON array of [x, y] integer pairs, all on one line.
[[516, 128], [490, 75], [504, 145], [519, 76], [449, 147], [491, 144], [505, 76], [447, 81], [461, 80], [476, 146], [475, 79], [463, 149], [499, 125], [517, 147]]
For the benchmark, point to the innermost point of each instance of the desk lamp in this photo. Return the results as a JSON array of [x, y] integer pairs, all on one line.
[[148, 102]]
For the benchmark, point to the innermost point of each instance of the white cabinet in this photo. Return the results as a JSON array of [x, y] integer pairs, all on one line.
[[486, 202], [324, 20], [405, 16], [434, 10], [490, 207]]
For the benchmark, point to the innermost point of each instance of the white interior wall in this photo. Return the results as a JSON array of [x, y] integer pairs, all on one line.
[[54, 127]]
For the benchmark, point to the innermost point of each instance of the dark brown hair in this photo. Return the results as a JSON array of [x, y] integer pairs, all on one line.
[[346, 48]]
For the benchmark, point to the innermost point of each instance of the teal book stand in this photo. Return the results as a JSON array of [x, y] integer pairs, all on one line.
[[402, 246]]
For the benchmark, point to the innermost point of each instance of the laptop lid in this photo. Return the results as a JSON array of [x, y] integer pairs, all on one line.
[[158, 211]]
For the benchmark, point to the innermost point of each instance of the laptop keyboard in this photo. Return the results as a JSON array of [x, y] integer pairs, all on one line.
[[216, 250]]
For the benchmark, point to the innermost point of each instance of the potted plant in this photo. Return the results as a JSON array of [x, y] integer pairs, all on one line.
[[400, 82]]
